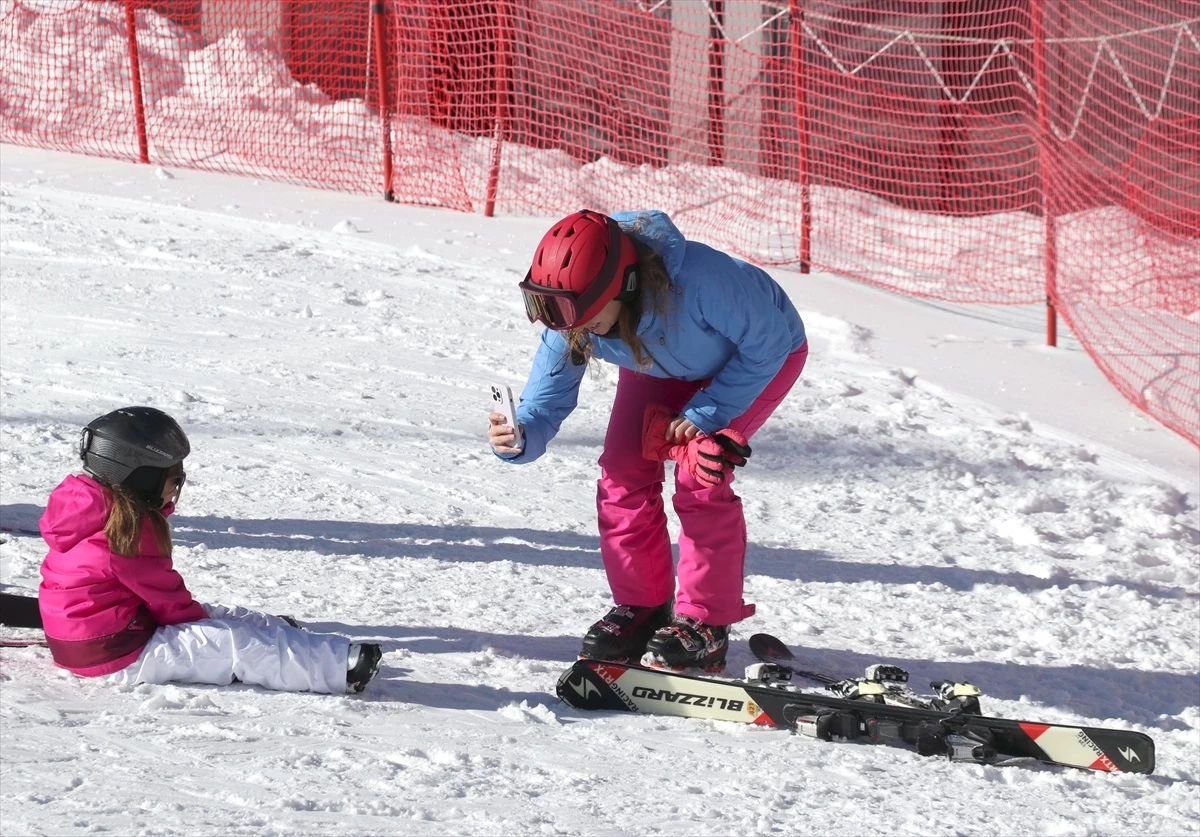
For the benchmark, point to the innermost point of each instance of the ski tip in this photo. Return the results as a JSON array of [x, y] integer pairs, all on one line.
[[769, 648]]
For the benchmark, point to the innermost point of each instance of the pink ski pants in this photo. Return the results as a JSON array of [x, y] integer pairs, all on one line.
[[634, 542]]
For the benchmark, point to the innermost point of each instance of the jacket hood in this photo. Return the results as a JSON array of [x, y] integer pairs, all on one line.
[[655, 229], [75, 511]]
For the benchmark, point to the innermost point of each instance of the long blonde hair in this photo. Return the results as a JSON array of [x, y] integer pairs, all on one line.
[[123, 527], [653, 284]]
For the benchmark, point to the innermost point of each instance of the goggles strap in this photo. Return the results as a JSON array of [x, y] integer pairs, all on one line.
[[608, 271]]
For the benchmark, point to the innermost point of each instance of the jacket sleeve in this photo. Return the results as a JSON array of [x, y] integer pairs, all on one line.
[[550, 395], [154, 580], [745, 314]]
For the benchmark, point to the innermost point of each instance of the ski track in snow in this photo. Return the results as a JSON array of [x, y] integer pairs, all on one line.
[[333, 386]]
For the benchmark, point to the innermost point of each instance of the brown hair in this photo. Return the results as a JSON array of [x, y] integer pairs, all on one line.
[[123, 527], [653, 284]]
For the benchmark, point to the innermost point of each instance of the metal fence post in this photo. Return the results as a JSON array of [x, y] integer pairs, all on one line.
[[1037, 9]]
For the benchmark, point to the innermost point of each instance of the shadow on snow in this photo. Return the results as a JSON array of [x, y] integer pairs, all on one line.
[[1140, 697], [537, 547], [1136, 696]]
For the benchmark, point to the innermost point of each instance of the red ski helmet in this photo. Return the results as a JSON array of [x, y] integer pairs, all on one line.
[[583, 263]]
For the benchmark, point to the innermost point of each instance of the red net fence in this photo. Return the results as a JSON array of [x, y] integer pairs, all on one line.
[[999, 151]]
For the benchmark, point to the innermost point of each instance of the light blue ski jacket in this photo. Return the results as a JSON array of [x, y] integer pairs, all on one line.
[[726, 320]]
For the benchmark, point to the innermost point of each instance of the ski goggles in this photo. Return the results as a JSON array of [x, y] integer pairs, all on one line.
[[561, 309], [555, 308]]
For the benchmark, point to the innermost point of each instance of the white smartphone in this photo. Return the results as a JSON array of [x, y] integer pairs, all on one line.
[[502, 402]]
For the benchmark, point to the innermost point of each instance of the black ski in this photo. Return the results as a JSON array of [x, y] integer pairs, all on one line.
[[881, 682], [595, 684], [19, 611], [768, 649]]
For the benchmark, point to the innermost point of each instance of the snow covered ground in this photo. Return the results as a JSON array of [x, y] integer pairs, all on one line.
[[940, 491]]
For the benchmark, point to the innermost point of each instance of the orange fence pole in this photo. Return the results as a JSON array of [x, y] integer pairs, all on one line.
[[503, 79], [716, 83], [135, 74], [379, 21]]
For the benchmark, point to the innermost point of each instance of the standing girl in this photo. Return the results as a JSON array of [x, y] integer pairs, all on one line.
[[708, 346], [113, 605]]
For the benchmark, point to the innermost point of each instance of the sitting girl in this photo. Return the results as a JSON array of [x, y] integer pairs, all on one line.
[[113, 605]]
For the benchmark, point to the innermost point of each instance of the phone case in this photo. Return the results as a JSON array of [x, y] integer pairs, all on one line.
[[502, 402]]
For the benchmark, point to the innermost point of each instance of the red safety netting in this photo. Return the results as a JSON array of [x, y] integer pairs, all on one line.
[[1002, 151]]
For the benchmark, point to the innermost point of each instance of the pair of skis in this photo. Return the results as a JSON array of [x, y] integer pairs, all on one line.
[[882, 710]]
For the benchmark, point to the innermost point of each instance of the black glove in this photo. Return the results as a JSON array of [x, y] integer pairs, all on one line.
[[289, 620]]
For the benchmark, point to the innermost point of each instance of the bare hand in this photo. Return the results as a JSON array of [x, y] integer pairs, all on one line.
[[501, 435], [682, 430]]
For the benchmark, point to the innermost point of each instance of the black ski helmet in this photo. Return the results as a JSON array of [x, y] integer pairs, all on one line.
[[133, 447]]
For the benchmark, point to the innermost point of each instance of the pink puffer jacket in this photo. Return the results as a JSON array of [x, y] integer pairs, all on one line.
[[98, 608]]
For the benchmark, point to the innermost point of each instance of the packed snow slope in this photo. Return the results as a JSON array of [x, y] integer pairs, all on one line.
[[916, 499]]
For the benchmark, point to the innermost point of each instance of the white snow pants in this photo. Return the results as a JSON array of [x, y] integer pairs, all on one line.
[[255, 648]]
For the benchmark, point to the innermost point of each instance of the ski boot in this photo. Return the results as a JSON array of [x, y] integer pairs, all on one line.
[[688, 643], [362, 665], [622, 634]]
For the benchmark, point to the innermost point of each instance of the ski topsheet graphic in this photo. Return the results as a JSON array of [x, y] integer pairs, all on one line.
[[961, 736]]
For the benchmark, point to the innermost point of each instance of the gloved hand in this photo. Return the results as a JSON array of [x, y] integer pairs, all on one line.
[[703, 456], [733, 443]]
